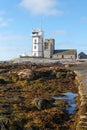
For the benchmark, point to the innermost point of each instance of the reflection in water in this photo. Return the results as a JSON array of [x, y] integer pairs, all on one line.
[[70, 98]]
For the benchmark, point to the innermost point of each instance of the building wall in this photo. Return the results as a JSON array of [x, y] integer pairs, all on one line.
[[49, 47], [37, 43], [46, 49], [62, 56]]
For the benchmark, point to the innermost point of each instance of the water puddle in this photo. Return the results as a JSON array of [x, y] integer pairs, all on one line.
[[69, 97]]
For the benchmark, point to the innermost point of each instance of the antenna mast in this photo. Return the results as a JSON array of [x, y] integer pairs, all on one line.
[[41, 24]]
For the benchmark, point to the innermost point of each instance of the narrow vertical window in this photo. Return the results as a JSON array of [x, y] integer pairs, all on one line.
[[45, 46], [62, 56], [35, 47], [35, 41]]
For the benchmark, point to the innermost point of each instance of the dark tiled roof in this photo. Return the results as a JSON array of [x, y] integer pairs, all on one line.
[[82, 55], [65, 52]]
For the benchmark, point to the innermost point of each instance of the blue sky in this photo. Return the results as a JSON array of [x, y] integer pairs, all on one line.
[[65, 21]]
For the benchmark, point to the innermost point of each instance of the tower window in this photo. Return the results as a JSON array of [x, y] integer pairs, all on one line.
[[34, 32], [45, 46], [35, 41], [35, 47], [62, 56]]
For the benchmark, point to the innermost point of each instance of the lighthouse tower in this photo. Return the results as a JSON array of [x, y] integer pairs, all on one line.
[[37, 43]]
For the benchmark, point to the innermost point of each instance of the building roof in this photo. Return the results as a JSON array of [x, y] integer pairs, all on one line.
[[82, 55], [65, 52]]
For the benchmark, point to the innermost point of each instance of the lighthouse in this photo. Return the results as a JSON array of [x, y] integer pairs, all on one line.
[[37, 43]]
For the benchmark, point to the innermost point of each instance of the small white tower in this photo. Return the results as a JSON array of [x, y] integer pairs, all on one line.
[[37, 43]]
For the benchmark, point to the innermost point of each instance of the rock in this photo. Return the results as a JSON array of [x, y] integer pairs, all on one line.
[[33, 128], [26, 74], [61, 75], [15, 126], [44, 73], [4, 125], [2, 81], [53, 75], [67, 66], [41, 103], [62, 104], [83, 109]]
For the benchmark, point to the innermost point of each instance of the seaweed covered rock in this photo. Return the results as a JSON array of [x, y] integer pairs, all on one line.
[[15, 126], [4, 125], [48, 74], [26, 74], [41, 103], [62, 104], [33, 128], [26, 96], [2, 81], [65, 73]]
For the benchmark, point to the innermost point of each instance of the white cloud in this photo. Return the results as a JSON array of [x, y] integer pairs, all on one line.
[[44, 7], [11, 37], [4, 22]]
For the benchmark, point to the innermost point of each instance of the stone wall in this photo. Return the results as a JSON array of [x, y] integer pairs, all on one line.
[[49, 47], [58, 56], [82, 107]]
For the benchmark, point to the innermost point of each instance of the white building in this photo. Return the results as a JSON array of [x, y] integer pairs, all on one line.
[[46, 48], [37, 43]]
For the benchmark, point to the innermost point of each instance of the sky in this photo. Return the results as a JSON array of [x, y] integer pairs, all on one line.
[[63, 20]]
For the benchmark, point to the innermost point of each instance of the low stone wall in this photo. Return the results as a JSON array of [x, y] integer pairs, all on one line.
[[82, 112]]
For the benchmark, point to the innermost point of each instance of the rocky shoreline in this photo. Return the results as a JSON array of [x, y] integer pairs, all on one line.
[[81, 79], [26, 96]]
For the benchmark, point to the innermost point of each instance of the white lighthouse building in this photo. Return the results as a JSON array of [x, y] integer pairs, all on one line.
[[46, 48], [37, 43]]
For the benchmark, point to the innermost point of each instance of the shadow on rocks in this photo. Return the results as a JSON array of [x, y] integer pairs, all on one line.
[[41, 104]]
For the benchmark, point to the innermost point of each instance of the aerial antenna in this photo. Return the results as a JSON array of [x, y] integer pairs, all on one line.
[[41, 22]]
